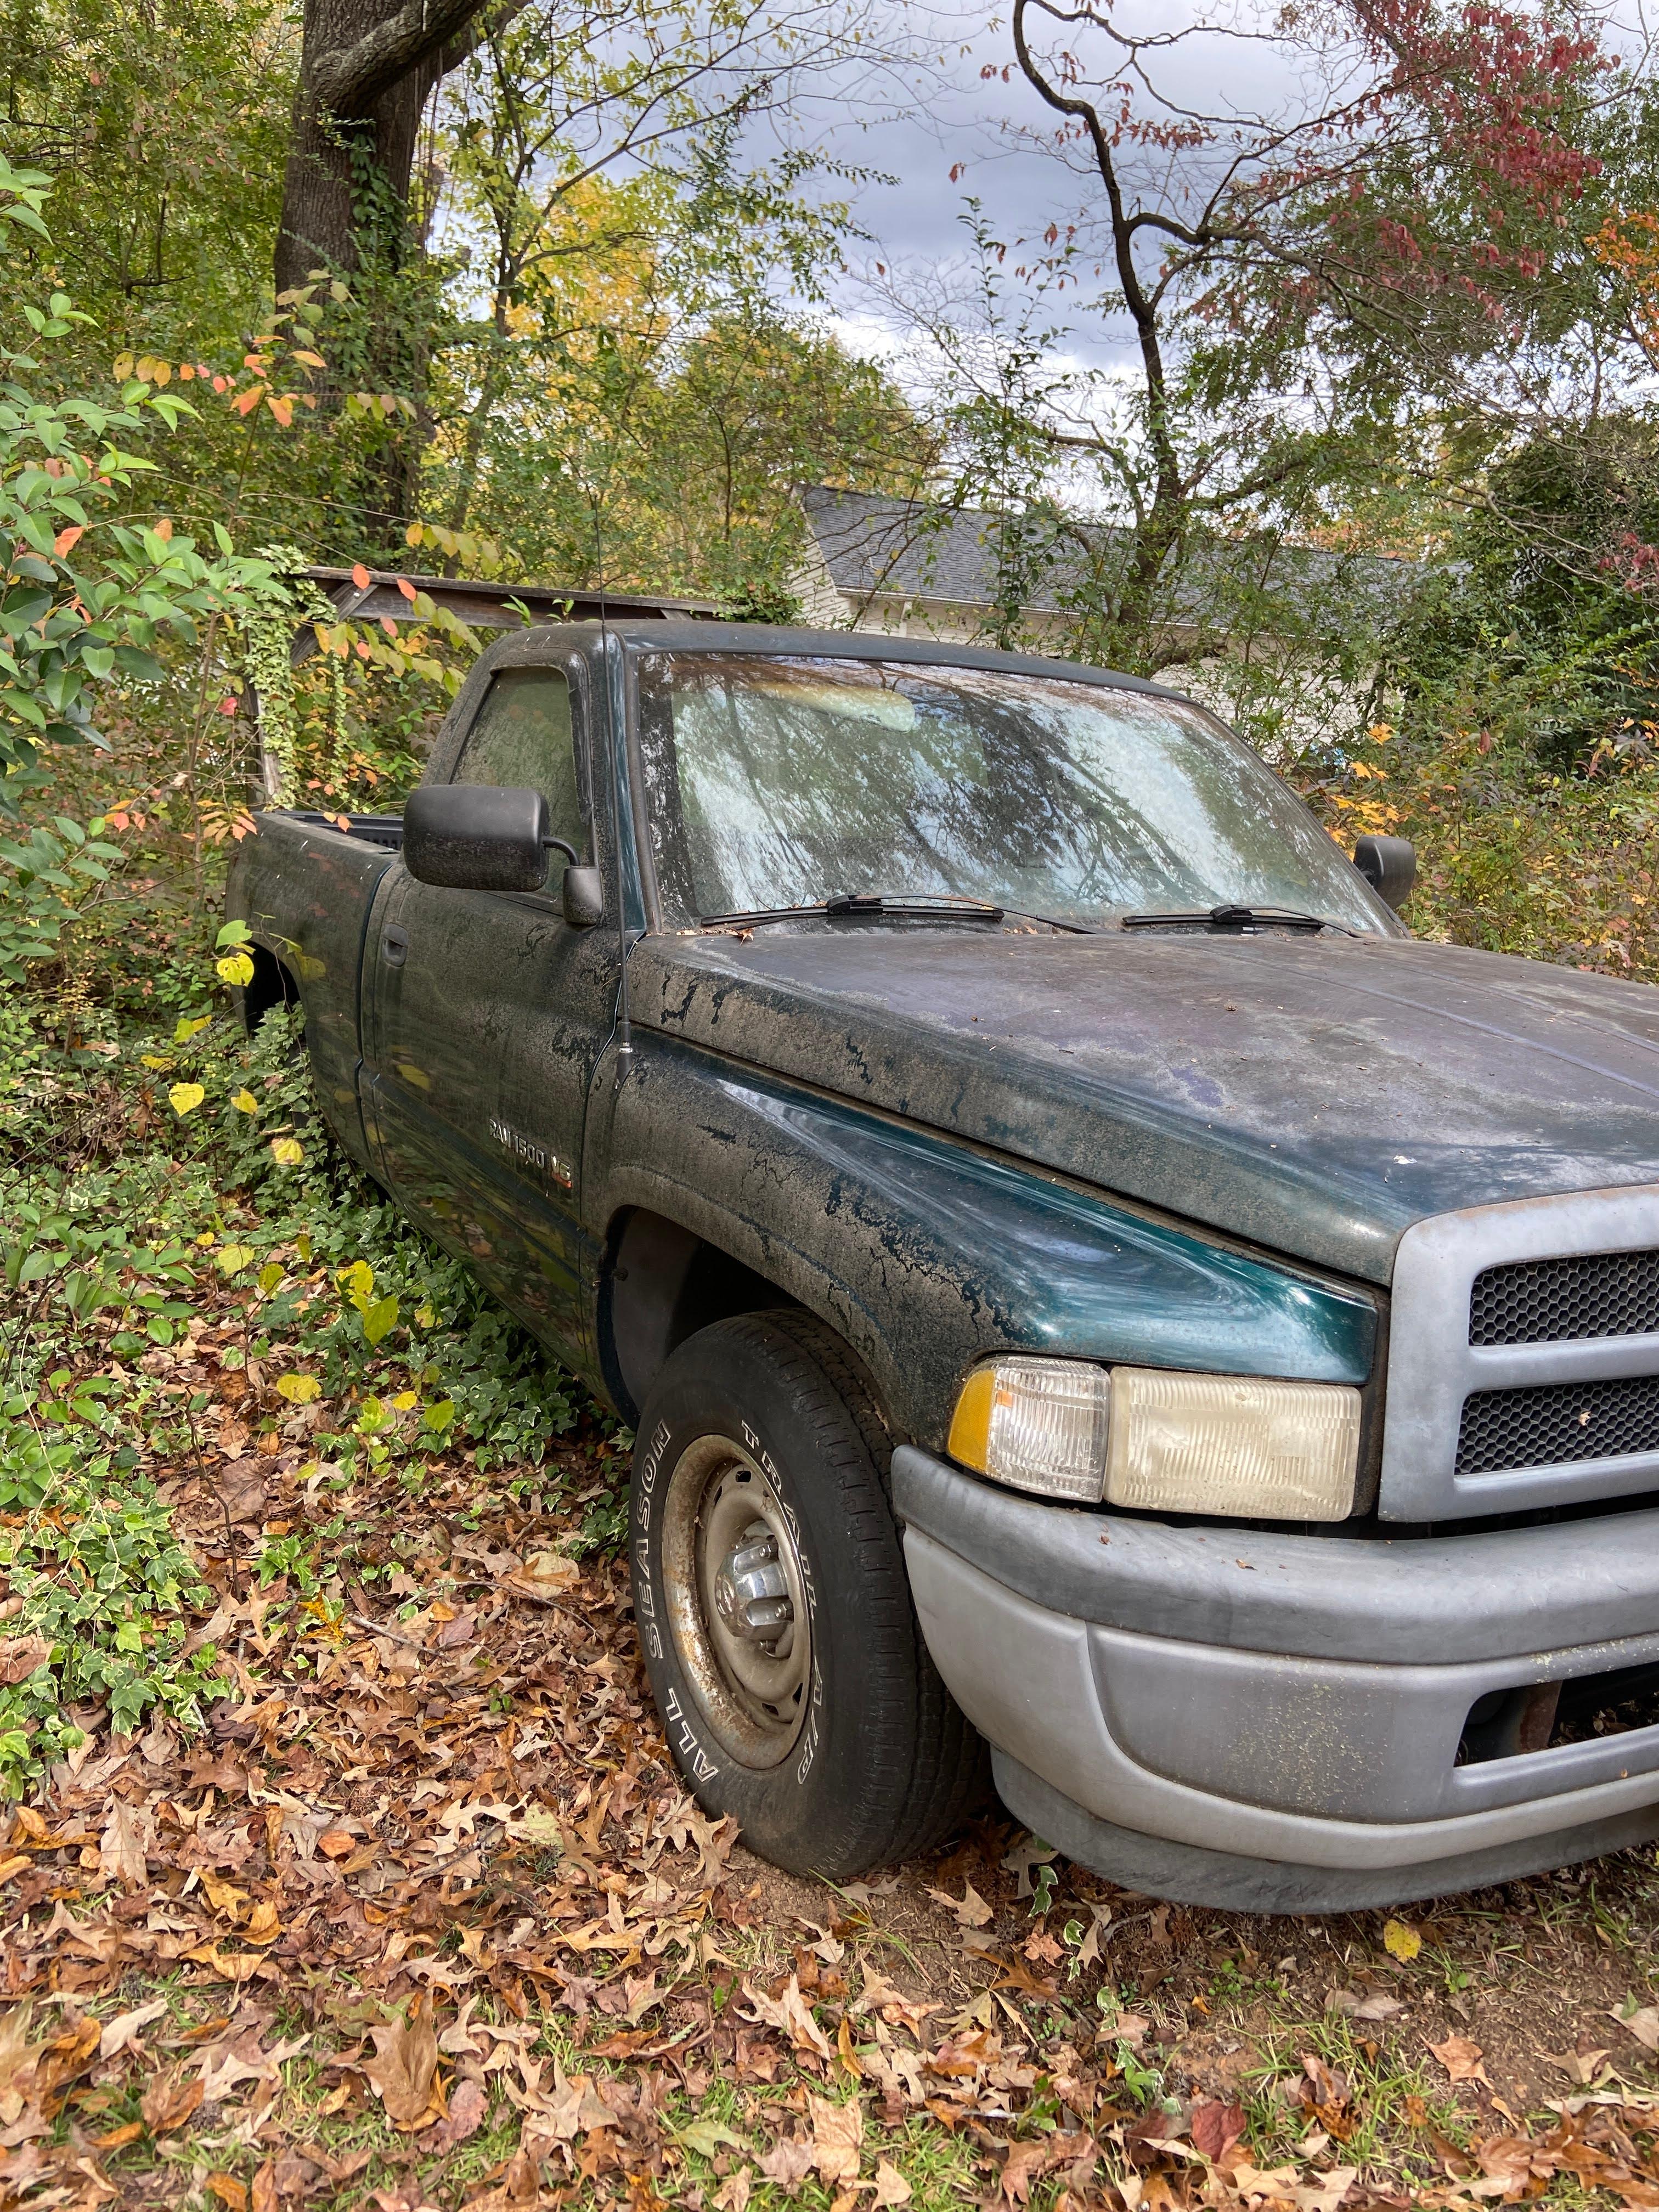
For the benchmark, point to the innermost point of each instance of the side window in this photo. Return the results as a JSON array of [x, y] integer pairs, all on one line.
[[522, 736]]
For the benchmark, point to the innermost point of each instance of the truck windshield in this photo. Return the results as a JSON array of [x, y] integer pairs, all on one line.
[[775, 783]]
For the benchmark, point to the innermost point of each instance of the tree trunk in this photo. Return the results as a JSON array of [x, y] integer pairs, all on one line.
[[367, 67]]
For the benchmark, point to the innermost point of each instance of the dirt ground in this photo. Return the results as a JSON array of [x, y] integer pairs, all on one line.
[[428, 1920]]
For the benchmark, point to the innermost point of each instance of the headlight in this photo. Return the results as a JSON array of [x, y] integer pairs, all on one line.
[[1166, 1443]]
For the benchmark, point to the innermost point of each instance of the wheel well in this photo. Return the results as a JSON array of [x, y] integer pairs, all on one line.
[[271, 986], [663, 1283]]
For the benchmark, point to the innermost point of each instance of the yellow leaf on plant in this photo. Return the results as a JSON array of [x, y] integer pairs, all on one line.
[[406, 1399], [183, 1029], [186, 1097], [299, 1389], [379, 1318], [269, 1275], [244, 1101], [153, 1059], [232, 1257], [359, 1281], [424, 1316], [235, 968], [1401, 1941], [287, 1152], [302, 1244]]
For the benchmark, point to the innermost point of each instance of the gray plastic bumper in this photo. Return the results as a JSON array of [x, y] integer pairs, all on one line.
[[1276, 1719]]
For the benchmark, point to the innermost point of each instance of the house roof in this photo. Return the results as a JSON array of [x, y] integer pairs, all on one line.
[[871, 544]]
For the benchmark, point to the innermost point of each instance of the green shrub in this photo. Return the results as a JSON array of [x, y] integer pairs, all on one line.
[[104, 1585]]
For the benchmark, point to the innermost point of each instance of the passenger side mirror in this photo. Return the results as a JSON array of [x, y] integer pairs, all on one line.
[[1388, 865]]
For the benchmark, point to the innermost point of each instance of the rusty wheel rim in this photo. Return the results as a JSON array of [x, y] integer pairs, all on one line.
[[736, 1601]]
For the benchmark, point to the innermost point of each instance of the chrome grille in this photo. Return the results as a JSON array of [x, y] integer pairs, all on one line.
[[1558, 1424], [1565, 1300]]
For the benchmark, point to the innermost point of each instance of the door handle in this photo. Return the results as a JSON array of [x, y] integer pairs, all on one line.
[[394, 945]]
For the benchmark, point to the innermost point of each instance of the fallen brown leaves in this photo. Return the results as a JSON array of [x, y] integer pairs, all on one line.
[[432, 1883]]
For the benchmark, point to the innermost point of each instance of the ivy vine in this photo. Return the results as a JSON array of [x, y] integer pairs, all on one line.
[[268, 627]]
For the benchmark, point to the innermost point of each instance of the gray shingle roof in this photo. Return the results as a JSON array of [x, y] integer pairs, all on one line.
[[870, 543]]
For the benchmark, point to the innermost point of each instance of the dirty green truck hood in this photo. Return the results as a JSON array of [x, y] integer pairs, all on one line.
[[1315, 1096]]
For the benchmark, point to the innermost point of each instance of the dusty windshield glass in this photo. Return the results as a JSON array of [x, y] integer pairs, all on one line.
[[775, 783]]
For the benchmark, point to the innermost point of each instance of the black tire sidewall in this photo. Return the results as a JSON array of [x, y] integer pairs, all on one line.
[[833, 1805]]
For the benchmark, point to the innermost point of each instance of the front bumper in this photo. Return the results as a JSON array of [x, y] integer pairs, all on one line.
[[1274, 1722]]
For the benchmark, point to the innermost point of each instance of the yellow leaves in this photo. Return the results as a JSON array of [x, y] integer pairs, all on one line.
[[185, 1029], [287, 1152], [232, 1258], [299, 1389], [223, 1896], [1628, 246], [269, 1276], [379, 1319], [1401, 1941], [235, 969], [244, 1101], [154, 1060], [186, 1097], [265, 1924], [378, 1316]]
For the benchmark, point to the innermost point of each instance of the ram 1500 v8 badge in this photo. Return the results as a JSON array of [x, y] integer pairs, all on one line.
[[1088, 1286]]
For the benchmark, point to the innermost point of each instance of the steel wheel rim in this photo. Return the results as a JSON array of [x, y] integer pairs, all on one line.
[[749, 1671]]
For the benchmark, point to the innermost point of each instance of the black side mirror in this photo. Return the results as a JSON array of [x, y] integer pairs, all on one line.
[[1388, 865], [491, 837], [476, 837]]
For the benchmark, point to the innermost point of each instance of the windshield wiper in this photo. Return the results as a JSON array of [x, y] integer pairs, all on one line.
[[861, 905], [1235, 917], [902, 906]]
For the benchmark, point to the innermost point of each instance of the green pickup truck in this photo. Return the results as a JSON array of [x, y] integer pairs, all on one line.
[[1090, 1289]]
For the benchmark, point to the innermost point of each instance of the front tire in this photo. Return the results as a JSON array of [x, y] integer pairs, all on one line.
[[774, 1609]]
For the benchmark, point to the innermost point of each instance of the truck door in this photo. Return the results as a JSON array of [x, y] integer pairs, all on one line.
[[487, 1015]]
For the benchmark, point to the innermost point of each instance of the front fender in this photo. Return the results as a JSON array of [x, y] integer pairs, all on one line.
[[925, 1255]]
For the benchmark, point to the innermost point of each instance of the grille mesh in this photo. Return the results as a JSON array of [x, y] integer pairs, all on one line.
[[1557, 1423], [1555, 1301]]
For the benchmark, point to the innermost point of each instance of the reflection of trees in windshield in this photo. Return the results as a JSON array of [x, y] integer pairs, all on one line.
[[775, 783]]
